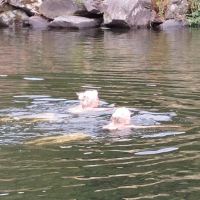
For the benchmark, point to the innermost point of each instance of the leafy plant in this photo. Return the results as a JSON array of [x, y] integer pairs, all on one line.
[[194, 13]]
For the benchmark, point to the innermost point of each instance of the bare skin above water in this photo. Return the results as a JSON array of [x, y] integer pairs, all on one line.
[[88, 102], [121, 119]]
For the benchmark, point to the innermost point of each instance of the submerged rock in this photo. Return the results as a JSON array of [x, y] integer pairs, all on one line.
[[55, 8], [74, 22], [129, 13]]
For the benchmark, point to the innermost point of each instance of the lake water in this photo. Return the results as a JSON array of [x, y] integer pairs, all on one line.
[[155, 74]]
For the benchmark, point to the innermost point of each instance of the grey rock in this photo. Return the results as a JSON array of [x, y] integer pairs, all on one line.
[[5, 7], [74, 22], [129, 13], [173, 24], [37, 22], [12, 18], [55, 8], [30, 7], [177, 9], [94, 6]]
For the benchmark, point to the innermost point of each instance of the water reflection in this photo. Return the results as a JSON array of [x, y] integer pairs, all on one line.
[[155, 74]]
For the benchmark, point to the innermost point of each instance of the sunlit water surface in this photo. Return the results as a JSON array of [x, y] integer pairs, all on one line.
[[155, 74]]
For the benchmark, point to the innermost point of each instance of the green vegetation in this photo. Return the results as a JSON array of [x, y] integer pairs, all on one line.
[[194, 13]]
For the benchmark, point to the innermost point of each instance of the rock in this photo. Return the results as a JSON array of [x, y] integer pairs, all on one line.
[[74, 22], [30, 7], [55, 8], [5, 7], [129, 13], [37, 22], [173, 24], [12, 18], [176, 9], [94, 6]]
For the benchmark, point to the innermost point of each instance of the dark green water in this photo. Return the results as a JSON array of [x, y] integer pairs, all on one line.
[[155, 73]]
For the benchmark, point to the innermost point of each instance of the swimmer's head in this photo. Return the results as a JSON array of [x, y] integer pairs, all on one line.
[[88, 99], [120, 119], [121, 116]]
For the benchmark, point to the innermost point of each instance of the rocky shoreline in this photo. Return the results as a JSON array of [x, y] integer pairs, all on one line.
[[84, 14]]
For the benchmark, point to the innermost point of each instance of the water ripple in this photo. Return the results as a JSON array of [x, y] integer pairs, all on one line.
[[159, 151], [157, 78]]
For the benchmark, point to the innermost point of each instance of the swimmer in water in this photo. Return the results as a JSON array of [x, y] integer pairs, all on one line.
[[121, 119], [89, 101]]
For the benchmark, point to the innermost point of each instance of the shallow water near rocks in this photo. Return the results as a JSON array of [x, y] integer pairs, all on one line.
[[155, 74]]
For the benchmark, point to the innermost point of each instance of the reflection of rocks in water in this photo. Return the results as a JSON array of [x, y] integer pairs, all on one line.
[[42, 117], [39, 117], [5, 119], [58, 139]]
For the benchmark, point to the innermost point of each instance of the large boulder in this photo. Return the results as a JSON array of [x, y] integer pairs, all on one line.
[[127, 13], [74, 22], [176, 9], [55, 8], [94, 6], [14, 12]]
